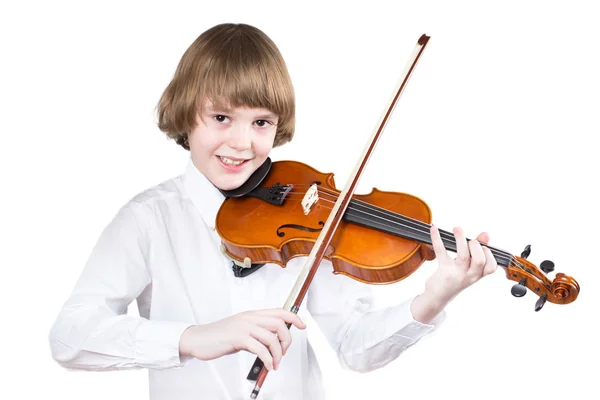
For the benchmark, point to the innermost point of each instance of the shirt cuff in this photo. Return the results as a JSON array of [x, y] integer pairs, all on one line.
[[157, 344], [418, 329], [404, 330]]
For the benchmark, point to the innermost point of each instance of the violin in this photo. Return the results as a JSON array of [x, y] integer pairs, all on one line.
[[377, 238], [383, 237]]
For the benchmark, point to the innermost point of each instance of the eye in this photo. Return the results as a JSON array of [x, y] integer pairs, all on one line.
[[262, 123], [221, 118]]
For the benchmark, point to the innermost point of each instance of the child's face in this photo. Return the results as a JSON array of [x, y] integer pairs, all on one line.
[[228, 145]]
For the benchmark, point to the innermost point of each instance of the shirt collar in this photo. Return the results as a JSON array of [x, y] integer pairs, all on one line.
[[206, 197]]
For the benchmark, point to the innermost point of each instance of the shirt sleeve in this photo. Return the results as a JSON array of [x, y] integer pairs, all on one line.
[[92, 330], [364, 338]]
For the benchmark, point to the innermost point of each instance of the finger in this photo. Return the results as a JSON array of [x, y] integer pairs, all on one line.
[[268, 339], [463, 254], [283, 334], [288, 316], [483, 237], [478, 258], [275, 325], [491, 264], [260, 350], [438, 245]]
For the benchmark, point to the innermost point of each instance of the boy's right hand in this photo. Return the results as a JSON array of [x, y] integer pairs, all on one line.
[[262, 332]]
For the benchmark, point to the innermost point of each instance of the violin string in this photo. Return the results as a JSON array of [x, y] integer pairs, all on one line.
[[418, 226], [421, 227], [449, 237], [446, 236], [443, 234]]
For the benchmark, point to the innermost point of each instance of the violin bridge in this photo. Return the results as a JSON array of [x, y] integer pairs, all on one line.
[[310, 198]]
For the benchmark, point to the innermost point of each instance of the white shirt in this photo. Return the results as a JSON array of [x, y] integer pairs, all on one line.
[[162, 250]]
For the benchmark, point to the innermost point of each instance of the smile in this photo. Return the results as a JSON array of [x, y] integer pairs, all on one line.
[[231, 162]]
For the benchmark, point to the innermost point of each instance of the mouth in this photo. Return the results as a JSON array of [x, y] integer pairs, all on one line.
[[232, 162]]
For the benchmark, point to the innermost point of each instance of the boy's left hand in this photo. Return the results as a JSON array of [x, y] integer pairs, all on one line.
[[473, 261]]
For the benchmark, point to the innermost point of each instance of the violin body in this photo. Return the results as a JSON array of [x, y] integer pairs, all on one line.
[[282, 232]]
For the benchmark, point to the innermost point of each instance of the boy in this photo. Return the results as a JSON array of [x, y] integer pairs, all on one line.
[[230, 102]]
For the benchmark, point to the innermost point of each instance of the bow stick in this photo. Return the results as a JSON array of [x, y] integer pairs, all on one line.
[[322, 243]]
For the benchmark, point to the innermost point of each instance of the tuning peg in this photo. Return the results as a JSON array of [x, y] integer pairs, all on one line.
[[547, 266], [541, 301], [519, 289], [525, 253]]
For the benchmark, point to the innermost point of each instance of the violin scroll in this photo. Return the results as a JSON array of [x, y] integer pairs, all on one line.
[[562, 289]]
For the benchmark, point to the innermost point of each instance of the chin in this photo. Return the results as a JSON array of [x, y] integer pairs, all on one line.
[[228, 187], [231, 183]]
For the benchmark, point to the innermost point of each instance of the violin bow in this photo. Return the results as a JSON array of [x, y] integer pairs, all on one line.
[[322, 243]]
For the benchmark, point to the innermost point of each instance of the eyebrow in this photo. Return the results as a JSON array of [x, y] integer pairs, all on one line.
[[267, 116], [211, 109], [226, 110]]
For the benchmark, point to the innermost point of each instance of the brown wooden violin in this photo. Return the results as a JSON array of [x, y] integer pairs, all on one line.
[[377, 238], [383, 237]]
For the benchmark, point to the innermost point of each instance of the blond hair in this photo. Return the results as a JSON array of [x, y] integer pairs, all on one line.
[[231, 65]]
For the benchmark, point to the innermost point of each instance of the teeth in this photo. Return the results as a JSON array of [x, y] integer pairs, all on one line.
[[231, 162]]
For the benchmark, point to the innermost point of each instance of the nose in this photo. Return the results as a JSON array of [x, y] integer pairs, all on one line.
[[240, 138]]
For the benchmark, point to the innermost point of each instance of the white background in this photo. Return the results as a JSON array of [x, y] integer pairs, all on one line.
[[495, 132]]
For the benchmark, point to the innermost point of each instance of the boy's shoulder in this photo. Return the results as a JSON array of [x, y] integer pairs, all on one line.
[[145, 207], [169, 190]]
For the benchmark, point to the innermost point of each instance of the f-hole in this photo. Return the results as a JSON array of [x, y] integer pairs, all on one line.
[[299, 227]]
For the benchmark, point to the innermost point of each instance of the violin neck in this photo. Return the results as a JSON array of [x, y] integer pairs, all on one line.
[[407, 228]]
